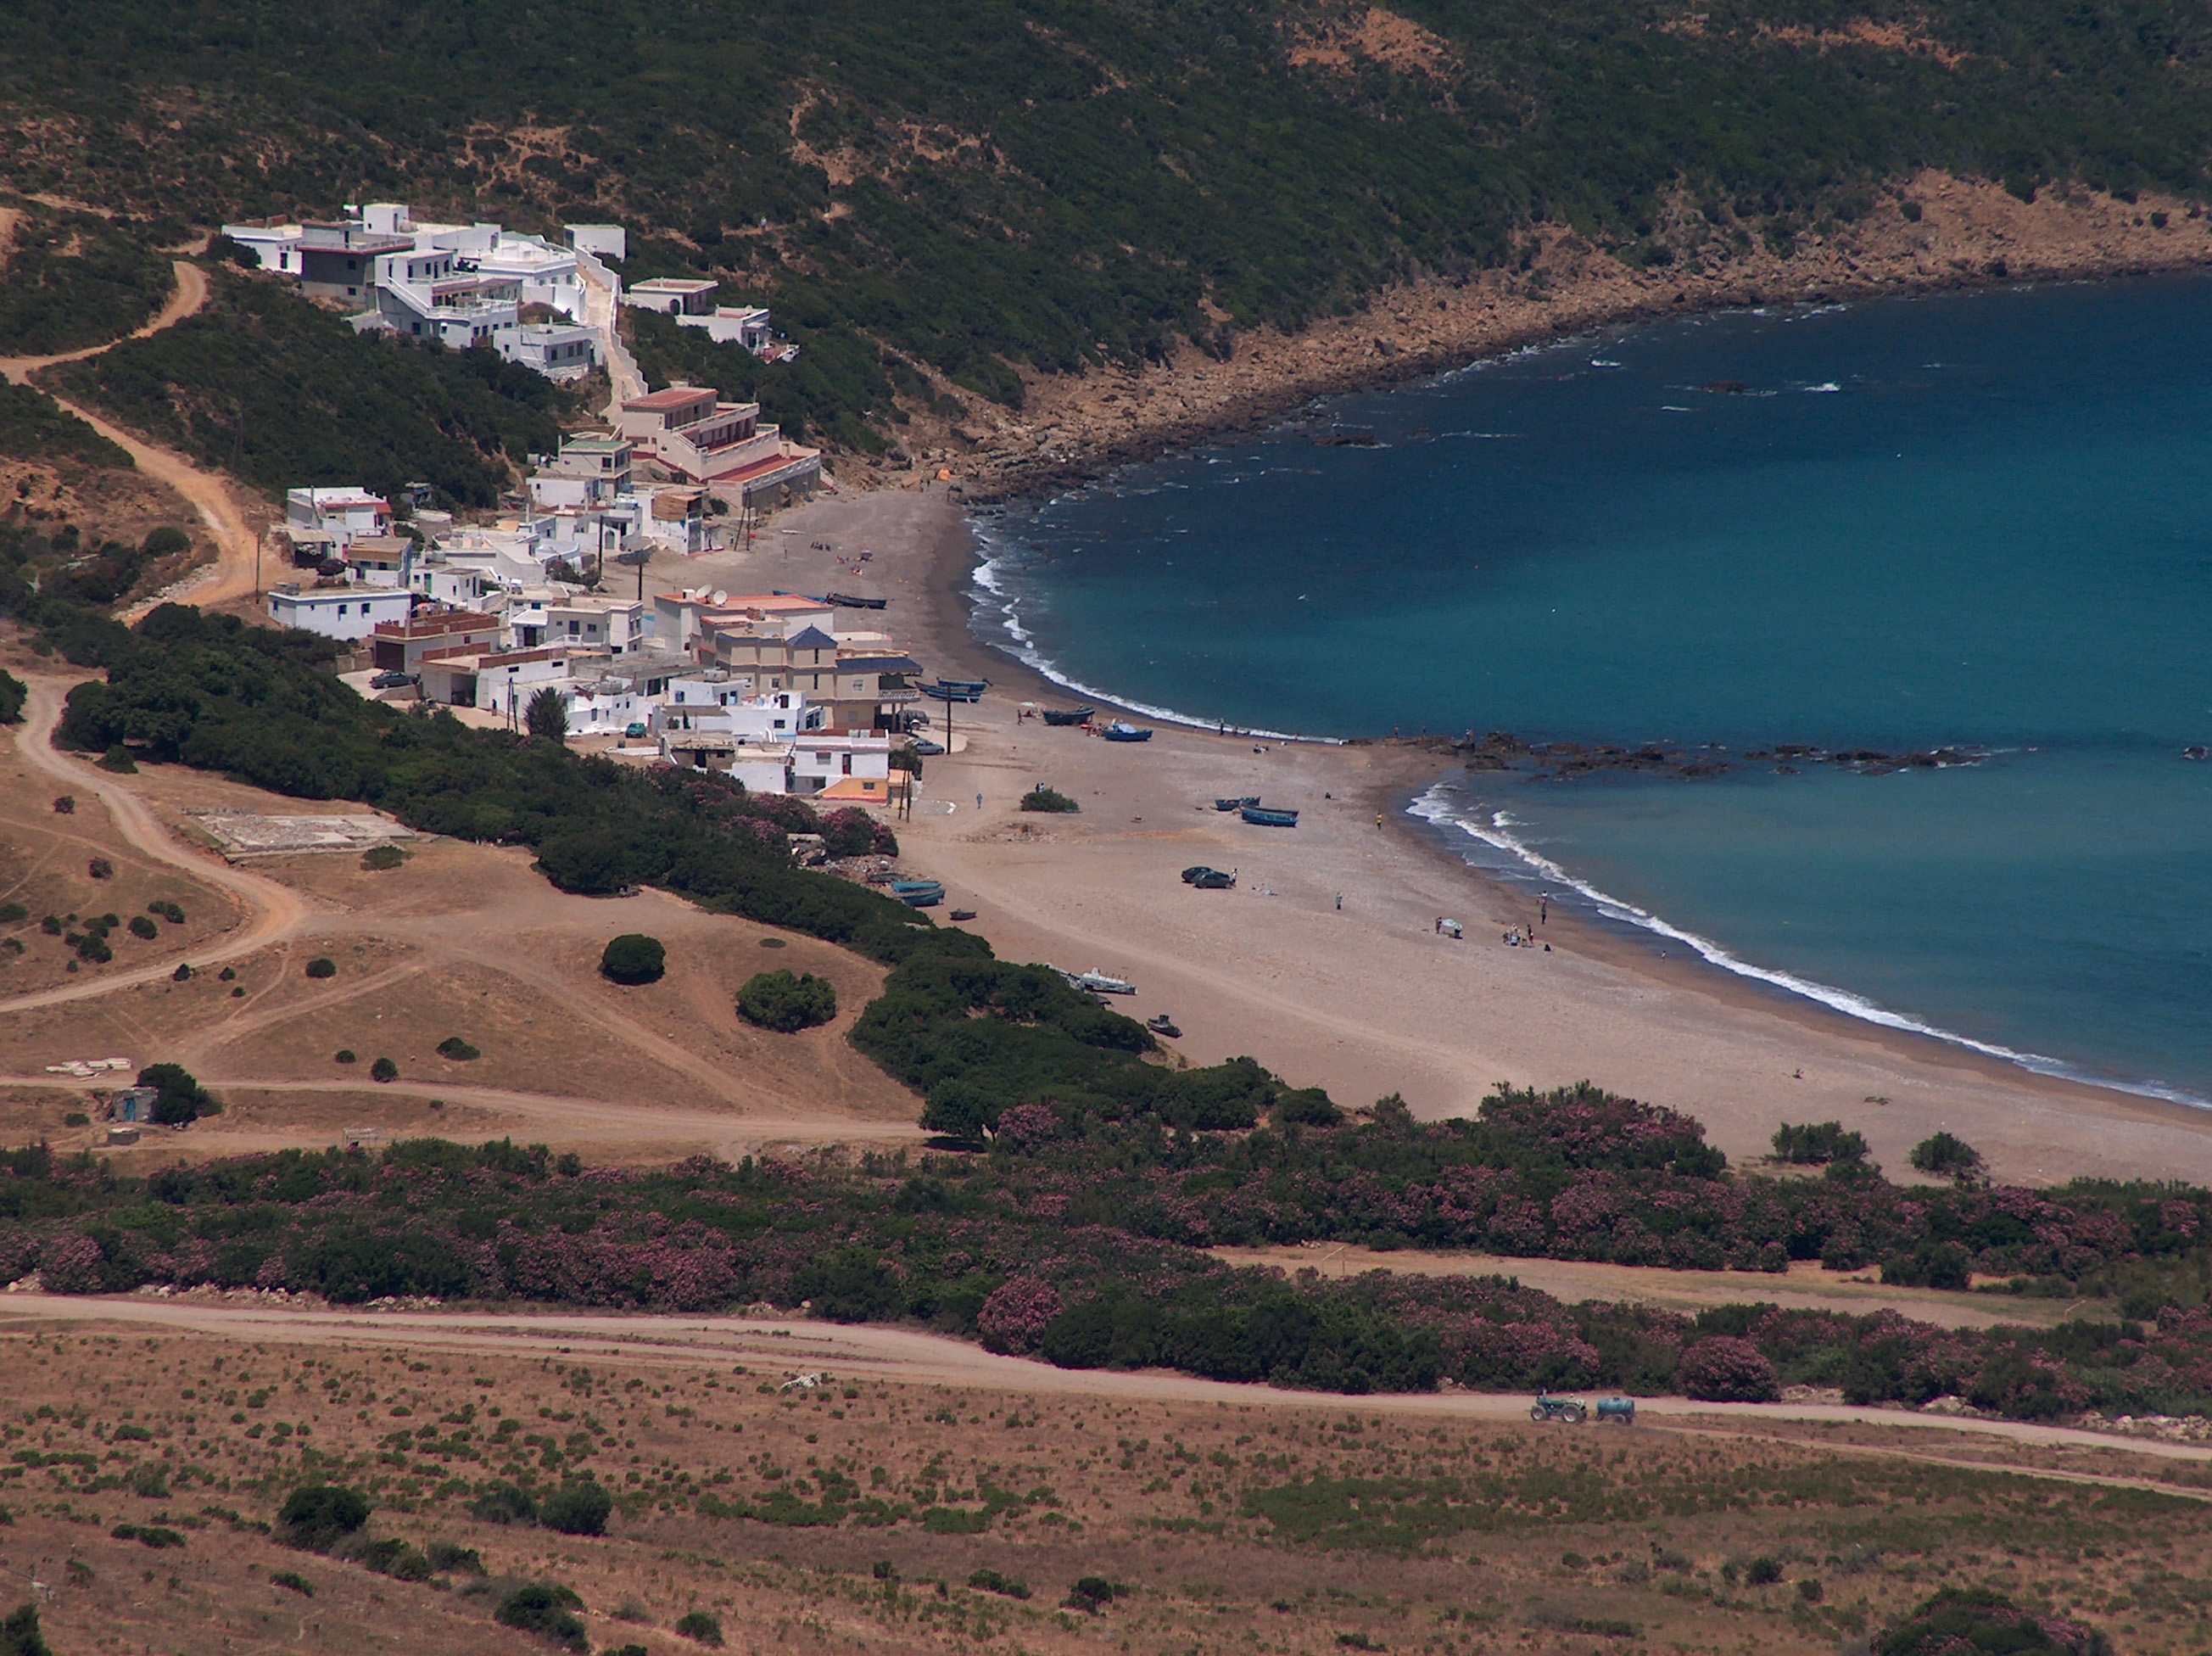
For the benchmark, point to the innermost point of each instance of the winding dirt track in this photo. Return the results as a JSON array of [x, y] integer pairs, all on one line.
[[275, 911], [212, 495], [905, 1356]]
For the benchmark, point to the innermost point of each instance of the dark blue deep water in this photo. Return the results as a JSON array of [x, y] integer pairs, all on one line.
[[1971, 520]]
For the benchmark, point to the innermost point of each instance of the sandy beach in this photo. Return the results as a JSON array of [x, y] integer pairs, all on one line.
[[1366, 998]]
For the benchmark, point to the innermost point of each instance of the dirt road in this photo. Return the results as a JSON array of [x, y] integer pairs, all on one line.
[[275, 911], [212, 495], [906, 1357]]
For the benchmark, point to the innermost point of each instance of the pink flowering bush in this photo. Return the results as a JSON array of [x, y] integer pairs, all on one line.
[[70, 1264], [1723, 1369], [1014, 1318]]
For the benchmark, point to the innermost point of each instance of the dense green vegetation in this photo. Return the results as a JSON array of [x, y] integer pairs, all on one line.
[[281, 394], [33, 427], [1052, 182], [787, 1001], [56, 587], [69, 280], [633, 958], [836, 386]]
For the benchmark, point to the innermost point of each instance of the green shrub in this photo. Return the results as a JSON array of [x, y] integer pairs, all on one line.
[[992, 1581], [1048, 799], [1944, 1156], [19, 1633], [292, 1581], [77, 1118], [1092, 1593], [180, 1098], [183, 974], [13, 914], [316, 1516], [458, 1049], [384, 1070], [322, 966], [378, 858], [449, 1558], [346, 1055], [167, 910], [117, 759], [542, 1608], [1762, 1572], [101, 868], [787, 1003], [700, 1626], [397, 1559], [504, 1503], [633, 957], [1818, 1143], [142, 927], [576, 1509]]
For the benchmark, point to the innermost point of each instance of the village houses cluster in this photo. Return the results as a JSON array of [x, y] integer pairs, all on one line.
[[765, 687]]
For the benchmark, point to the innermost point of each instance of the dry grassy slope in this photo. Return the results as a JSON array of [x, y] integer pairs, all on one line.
[[1192, 1510], [460, 940]]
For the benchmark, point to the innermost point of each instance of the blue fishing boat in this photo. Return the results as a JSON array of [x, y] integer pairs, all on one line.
[[1263, 816], [953, 692], [919, 893], [1119, 732]]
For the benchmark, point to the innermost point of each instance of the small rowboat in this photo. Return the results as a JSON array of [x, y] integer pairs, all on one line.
[[1261, 817], [1237, 804], [1075, 715], [919, 893], [853, 601], [1119, 732], [953, 692]]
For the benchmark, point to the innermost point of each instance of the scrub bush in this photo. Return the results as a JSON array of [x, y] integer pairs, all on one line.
[[634, 958], [787, 1003]]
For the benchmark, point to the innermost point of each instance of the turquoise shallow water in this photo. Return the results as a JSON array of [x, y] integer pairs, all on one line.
[[1978, 521]]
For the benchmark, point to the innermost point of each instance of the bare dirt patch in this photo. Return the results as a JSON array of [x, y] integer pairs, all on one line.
[[1340, 43]]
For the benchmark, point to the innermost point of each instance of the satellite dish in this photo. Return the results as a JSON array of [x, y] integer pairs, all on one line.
[[720, 598]]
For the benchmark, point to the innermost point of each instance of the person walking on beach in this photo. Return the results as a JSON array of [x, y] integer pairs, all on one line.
[[1544, 910], [1379, 818], [979, 801]]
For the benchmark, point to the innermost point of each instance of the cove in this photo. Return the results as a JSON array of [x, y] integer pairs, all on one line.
[[1980, 521]]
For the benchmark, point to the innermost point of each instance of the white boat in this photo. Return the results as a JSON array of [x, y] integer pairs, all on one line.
[[1099, 984]]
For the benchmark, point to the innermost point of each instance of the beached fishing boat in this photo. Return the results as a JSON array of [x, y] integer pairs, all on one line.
[[919, 893], [1073, 715], [1263, 816], [1163, 1024], [1119, 732], [979, 685], [1099, 984], [953, 692], [853, 601], [1237, 804]]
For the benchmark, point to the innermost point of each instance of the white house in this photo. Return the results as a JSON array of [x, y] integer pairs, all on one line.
[[563, 351], [344, 612], [672, 295], [607, 240], [274, 242], [841, 764], [619, 626], [340, 515]]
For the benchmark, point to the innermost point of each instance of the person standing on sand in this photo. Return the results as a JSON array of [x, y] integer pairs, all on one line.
[[1544, 910], [1379, 818]]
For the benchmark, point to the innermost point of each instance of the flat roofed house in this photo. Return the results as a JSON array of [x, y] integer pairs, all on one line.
[[342, 612], [671, 295]]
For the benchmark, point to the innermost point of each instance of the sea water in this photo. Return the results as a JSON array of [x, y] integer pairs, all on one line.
[[1980, 521]]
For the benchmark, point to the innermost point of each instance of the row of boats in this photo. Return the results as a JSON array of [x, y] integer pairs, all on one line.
[[1265, 816]]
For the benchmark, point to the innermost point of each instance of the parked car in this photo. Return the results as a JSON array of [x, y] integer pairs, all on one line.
[[390, 681], [927, 747], [633, 730]]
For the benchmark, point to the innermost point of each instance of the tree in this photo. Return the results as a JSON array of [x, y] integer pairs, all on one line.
[[13, 694], [576, 1509], [546, 715], [542, 1608], [384, 1070], [316, 1516], [504, 1503], [1048, 799], [634, 958], [181, 1098], [1943, 1156], [787, 1003], [20, 1634]]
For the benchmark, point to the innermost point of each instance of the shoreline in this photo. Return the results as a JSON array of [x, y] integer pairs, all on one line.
[[1392, 1007], [1964, 236]]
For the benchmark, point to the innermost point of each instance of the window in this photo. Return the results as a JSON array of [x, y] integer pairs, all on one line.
[[341, 609]]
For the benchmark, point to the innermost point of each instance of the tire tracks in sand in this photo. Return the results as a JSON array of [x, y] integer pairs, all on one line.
[[909, 1356]]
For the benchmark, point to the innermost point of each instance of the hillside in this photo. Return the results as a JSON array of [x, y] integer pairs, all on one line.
[[999, 189]]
